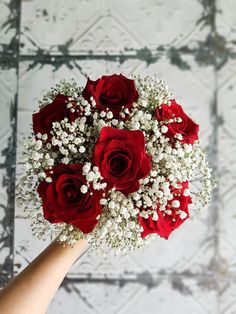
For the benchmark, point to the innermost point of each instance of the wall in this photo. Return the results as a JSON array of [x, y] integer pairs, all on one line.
[[192, 45]]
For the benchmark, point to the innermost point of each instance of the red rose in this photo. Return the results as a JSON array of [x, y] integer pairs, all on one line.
[[56, 111], [168, 222], [187, 127], [111, 92], [64, 202], [122, 158]]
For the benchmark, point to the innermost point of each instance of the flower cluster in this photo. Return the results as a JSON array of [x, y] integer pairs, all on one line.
[[113, 162]]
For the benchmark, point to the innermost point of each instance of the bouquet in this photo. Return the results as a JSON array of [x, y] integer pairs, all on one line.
[[117, 162]]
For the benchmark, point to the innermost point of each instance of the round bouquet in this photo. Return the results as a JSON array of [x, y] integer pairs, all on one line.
[[117, 162]]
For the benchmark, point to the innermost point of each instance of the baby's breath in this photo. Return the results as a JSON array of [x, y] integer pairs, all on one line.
[[73, 142]]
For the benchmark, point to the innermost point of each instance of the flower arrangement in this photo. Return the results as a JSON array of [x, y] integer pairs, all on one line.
[[113, 162]]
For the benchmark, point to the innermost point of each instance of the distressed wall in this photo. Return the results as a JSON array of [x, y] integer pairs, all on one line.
[[192, 45]]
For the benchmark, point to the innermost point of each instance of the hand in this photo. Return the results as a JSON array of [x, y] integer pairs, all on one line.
[[32, 290]]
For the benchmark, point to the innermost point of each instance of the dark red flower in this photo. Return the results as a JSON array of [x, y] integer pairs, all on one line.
[[111, 92], [187, 127], [121, 158], [55, 111], [64, 202], [168, 222]]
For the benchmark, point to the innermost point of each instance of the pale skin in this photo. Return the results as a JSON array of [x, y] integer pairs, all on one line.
[[32, 290]]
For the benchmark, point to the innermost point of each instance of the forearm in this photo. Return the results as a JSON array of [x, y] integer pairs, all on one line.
[[33, 289]]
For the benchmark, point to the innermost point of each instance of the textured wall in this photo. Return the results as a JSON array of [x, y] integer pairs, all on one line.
[[192, 45]]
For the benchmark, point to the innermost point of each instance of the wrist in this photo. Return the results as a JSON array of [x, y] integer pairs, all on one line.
[[71, 252]]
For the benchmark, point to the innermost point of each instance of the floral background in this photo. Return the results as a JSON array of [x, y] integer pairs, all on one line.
[[192, 45]]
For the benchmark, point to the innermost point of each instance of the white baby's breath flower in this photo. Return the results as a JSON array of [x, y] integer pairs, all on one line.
[[175, 203], [103, 201], [109, 115], [81, 149], [84, 189], [164, 129]]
